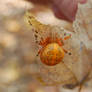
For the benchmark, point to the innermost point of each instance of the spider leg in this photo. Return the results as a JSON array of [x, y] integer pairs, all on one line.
[[43, 42], [39, 52], [60, 42], [67, 37], [65, 50]]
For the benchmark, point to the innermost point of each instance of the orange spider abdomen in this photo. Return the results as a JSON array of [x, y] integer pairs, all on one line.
[[52, 54]]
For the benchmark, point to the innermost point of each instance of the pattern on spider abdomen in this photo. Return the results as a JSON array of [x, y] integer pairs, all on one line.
[[52, 54]]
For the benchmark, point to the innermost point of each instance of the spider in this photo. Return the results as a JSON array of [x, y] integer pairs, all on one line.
[[52, 51]]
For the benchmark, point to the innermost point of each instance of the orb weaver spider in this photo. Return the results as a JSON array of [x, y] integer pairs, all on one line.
[[52, 51]]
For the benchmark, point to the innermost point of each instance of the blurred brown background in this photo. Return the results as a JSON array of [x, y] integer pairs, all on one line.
[[18, 49]]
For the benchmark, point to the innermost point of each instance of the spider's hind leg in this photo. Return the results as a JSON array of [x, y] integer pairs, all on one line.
[[65, 50], [39, 52]]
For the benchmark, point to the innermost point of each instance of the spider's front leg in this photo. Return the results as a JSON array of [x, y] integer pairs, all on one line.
[[67, 37], [44, 42], [60, 41]]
